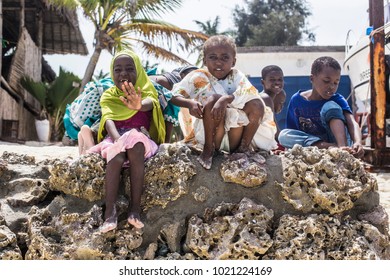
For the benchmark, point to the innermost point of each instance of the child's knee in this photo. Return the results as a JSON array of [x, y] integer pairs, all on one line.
[[331, 110], [85, 129], [118, 160], [137, 150], [254, 109], [210, 101]]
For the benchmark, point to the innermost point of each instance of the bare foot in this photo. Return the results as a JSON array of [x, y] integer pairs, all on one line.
[[134, 219], [205, 160], [243, 149], [110, 223]]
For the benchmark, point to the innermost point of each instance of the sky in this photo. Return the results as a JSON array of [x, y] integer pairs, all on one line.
[[330, 21]]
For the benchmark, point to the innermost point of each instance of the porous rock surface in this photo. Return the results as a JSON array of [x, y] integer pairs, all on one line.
[[231, 231], [326, 237], [317, 179], [53, 209], [248, 171]]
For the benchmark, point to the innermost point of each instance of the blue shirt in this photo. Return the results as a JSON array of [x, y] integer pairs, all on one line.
[[304, 114]]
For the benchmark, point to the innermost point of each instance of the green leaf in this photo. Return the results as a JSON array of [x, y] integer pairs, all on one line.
[[36, 89]]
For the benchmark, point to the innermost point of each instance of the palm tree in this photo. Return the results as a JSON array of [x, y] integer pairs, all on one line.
[[53, 98], [129, 23], [209, 28], [100, 75]]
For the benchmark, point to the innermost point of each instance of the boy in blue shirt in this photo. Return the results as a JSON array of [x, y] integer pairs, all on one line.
[[320, 116]]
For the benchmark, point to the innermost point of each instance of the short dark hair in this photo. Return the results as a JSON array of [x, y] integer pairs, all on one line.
[[218, 40], [324, 61], [268, 69]]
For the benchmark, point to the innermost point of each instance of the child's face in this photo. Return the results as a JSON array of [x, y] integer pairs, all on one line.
[[219, 60], [325, 83], [273, 82], [124, 70]]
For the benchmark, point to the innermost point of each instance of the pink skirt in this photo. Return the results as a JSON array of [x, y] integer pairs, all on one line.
[[108, 149]]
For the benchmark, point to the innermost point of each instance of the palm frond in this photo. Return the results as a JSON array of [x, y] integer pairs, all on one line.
[[167, 32], [61, 87], [155, 51], [36, 89], [151, 8]]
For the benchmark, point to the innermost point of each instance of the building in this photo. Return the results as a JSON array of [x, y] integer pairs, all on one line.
[[28, 30]]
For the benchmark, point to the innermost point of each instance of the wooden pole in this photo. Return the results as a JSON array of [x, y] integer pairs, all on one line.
[[378, 77], [1, 36]]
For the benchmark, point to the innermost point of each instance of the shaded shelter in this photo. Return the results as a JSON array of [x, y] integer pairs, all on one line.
[[30, 29]]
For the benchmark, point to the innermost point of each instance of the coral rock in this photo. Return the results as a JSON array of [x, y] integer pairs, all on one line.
[[231, 232], [9, 249], [83, 178], [167, 175], [325, 237], [243, 170], [317, 180]]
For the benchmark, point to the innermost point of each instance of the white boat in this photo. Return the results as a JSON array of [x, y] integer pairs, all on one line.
[[357, 65]]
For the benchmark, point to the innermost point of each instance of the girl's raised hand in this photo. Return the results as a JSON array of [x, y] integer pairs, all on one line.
[[132, 98]]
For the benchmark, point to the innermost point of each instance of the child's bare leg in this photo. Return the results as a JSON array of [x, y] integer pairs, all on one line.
[[168, 131], [80, 142], [210, 125], [254, 109], [86, 137], [137, 169], [219, 133], [235, 135], [113, 172], [338, 130]]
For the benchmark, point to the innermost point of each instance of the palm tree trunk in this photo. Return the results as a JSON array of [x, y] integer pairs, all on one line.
[[91, 67]]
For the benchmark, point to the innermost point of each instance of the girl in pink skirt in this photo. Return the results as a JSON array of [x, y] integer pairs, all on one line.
[[131, 125]]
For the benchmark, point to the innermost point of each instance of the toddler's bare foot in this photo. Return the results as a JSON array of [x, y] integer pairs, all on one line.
[[134, 219], [205, 161], [206, 157], [110, 223], [243, 150]]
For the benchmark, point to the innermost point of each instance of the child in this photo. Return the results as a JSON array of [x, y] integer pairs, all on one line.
[[129, 110], [320, 116], [272, 79], [227, 107], [85, 111]]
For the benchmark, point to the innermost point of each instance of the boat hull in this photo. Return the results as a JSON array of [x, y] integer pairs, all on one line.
[[357, 65]]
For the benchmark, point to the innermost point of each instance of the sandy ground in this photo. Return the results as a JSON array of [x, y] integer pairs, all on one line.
[[43, 151]]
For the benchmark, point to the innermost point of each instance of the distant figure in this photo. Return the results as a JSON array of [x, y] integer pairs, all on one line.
[[272, 79], [320, 116], [130, 113], [227, 107], [85, 111]]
